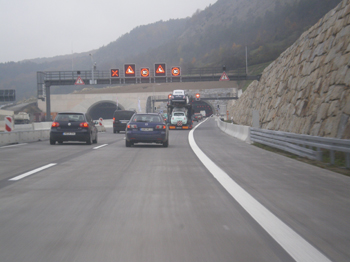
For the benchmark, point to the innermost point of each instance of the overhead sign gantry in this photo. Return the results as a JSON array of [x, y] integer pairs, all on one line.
[[130, 74]]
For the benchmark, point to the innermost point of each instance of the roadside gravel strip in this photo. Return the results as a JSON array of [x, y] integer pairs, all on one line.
[[297, 247]]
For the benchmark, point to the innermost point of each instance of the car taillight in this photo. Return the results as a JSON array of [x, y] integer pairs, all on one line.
[[160, 127], [113, 119], [55, 124], [84, 124], [132, 126]]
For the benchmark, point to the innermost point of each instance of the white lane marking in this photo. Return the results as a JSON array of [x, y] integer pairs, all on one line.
[[98, 147], [14, 145], [32, 172], [293, 243]]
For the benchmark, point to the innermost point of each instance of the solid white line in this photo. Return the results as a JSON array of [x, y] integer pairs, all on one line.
[[100, 146], [14, 145], [297, 247], [32, 172]]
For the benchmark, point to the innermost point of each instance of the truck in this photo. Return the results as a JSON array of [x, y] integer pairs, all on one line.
[[203, 113], [179, 112], [22, 118]]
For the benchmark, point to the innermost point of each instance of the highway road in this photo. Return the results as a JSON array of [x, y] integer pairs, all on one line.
[[207, 197]]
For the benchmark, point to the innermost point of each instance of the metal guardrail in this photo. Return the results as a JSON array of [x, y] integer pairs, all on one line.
[[302, 145]]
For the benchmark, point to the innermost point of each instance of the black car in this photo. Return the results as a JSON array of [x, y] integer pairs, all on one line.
[[120, 119], [178, 97], [147, 128], [73, 126]]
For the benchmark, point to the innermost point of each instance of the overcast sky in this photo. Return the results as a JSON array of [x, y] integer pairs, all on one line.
[[46, 28]]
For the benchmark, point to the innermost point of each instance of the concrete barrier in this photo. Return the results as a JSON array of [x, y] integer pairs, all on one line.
[[15, 137], [237, 131], [26, 133]]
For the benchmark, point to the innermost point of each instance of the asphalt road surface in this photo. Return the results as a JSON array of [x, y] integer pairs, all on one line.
[[106, 202]]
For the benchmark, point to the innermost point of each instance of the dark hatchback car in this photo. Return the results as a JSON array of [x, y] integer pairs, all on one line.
[[120, 119], [73, 126], [147, 128]]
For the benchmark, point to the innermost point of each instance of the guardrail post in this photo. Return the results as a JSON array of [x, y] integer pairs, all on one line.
[[332, 157], [319, 155], [347, 156]]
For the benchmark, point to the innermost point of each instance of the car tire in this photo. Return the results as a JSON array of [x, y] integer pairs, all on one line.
[[118, 131], [52, 142], [89, 141], [60, 142], [95, 140], [166, 143], [114, 131], [127, 143]]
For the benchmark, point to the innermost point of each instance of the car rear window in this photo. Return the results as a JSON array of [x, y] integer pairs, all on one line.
[[146, 118], [179, 114], [123, 115], [70, 117]]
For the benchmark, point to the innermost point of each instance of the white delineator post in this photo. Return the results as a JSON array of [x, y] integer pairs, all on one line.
[[8, 124]]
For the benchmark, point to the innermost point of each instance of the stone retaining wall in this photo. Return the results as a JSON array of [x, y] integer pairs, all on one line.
[[307, 89]]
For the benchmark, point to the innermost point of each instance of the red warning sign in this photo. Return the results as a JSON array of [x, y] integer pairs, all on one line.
[[175, 71], [129, 70], [160, 69], [114, 72], [224, 77], [79, 81], [145, 72]]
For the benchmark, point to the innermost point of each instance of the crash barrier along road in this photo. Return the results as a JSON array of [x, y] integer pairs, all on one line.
[[301, 145]]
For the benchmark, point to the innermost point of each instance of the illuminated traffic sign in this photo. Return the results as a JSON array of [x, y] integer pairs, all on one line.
[[175, 71], [129, 70], [145, 72], [160, 70], [114, 72]]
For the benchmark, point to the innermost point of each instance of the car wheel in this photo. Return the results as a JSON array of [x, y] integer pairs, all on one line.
[[118, 131], [60, 142], [52, 142], [114, 131], [89, 141], [166, 143], [127, 143], [95, 140]]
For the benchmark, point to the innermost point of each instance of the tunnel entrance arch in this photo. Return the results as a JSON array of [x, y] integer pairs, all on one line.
[[104, 109], [202, 106]]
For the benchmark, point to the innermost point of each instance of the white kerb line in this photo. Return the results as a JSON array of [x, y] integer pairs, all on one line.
[[297, 247], [32, 172]]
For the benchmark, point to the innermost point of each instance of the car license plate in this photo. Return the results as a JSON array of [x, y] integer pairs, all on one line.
[[146, 129], [69, 134]]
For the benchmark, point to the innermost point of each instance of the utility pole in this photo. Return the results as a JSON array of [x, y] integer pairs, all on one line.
[[246, 60], [92, 82]]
